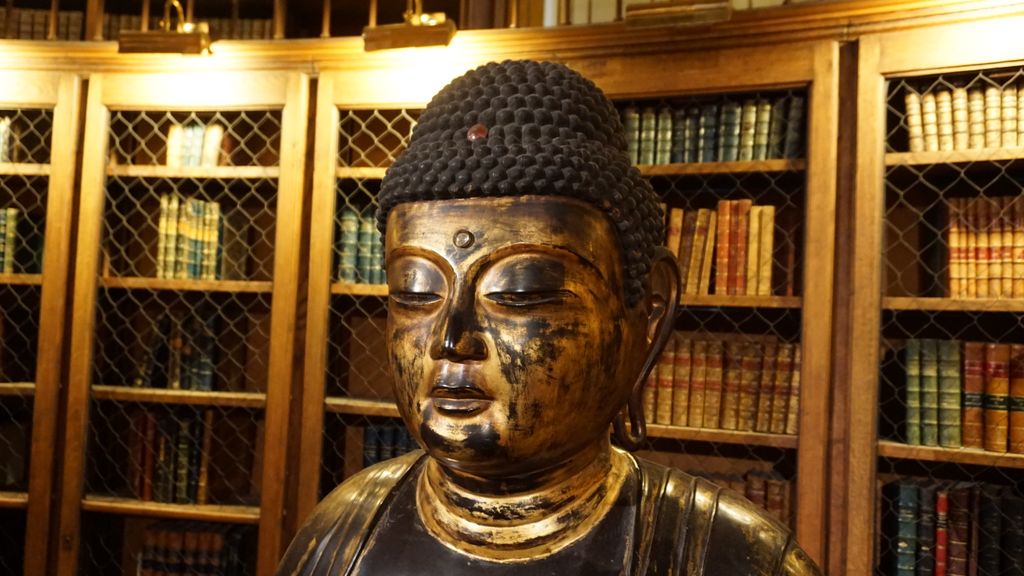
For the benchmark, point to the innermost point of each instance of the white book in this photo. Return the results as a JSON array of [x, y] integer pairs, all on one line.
[[961, 125], [5, 139], [1010, 118], [761, 126], [748, 124], [915, 132], [213, 136], [930, 122], [976, 118], [175, 144], [944, 112], [993, 117]]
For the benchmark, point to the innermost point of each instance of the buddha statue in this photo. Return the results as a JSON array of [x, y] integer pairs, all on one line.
[[528, 301]]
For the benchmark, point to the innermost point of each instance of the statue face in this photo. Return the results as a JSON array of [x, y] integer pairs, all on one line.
[[509, 338]]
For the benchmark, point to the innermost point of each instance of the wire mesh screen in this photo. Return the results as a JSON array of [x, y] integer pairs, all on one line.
[[182, 329], [25, 140], [749, 338], [951, 412]]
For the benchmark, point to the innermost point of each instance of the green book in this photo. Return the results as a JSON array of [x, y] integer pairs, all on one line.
[[663, 138], [707, 133], [949, 394], [900, 527], [793, 146], [364, 250], [926, 529], [679, 136], [648, 135], [348, 240], [929, 393], [748, 123], [777, 128], [729, 132], [912, 361]]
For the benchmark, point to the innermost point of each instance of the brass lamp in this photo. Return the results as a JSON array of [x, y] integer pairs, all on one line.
[[183, 38], [418, 29]]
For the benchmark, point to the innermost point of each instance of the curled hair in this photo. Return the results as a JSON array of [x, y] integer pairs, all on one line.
[[521, 127]]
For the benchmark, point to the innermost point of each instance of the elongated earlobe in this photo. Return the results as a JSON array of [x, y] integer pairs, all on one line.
[[662, 301]]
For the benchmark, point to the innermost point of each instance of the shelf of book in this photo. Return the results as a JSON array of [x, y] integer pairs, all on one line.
[[21, 279], [737, 167], [226, 286], [201, 512], [740, 301], [360, 406], [17, 388], [954, 304], [13, 499], [195, 172], [898, 450], [784, 441], [938, 157], [352, 289], [250, 400], [24, 169]]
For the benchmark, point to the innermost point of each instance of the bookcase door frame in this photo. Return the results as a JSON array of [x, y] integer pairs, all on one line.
[[213, 89], [385, 81], [917, 52], [61, 93]]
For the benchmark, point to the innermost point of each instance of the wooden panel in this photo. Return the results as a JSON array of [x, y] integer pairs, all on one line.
[[19, 389], [953, 156], [358, 171], [347, 289], [723, 437], [737, 301], [739, 167], [816, 329], [202, 512], [22, 169], [954, 304], [978, 44], [865, 309], [221, 89], [226, 286], [219, 172], [24, 89], [21, 279], [283, 335], [14, 500]]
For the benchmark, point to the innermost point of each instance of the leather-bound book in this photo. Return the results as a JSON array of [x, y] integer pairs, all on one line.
[[926, 530], [990, 521], [731, 382], [762, 421], [959, 528], [997, 389], [1016, 400], [1012, 540], [973, 419], [681, 381], [698, 377], [941, 529], [929, 392], [900, 525], [722, 246], [780, 388], [666, 371], [912, 399], [713, 385], [750, 377], [949, 394]]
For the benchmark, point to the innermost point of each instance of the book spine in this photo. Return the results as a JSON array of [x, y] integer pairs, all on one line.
[[707, 136], [713, 384], [631, 128], [161, 243], [926, 530], [5, 139], [681, 382], [949, 394], [929, 393], [982, 256], [730, 130], [777, 128], [663, 138], [750, 376], [993, 117], [990, 518], [698, 382], [766, 249], [901, 524], [941, 530], [912, 421], [793, 398], [961, 123], [731, 382], [944, 112], [1012, 540], [648, 134], [974, 392], [976, 118], [780, 388], [997, 388], [213, 136], [762, 422], [954, 240], [761, 126], [752, 265], [364, 249], [665, 373], [748, 126], [1015, 402], [794, 127], [723, 242], [3, 237], [707, 239], [959, 529], [739, 243], [675, 231], [1018, 240], [930, 122], [1006, 246], [11, 240], [995, 248], [689, 251], [680, 137], [1009, 116], [181, 240]]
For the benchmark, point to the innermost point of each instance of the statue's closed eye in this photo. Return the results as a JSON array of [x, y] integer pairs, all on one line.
[[529, 298], [415, 298]]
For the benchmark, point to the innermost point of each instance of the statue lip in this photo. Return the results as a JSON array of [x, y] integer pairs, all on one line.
[[461, 399]]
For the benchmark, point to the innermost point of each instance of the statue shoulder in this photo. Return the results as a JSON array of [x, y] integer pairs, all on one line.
[[716, 532], [333, 534]]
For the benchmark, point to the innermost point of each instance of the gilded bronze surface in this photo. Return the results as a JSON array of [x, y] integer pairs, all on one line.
[[513, 349]]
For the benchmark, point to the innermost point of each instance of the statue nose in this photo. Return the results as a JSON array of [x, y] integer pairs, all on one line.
[[459, 338]]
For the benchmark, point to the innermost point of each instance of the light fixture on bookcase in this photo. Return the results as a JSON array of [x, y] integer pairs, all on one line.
[[418, 29], [181, 38], [678, 13]]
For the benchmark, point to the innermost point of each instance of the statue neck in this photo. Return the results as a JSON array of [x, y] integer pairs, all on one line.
[[535, 519]]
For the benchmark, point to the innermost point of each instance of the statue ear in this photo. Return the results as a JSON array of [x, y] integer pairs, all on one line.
[[661, 302]]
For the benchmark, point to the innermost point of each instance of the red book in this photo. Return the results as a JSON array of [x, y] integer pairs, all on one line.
[[941, 531], [974, 391], [731, 383]]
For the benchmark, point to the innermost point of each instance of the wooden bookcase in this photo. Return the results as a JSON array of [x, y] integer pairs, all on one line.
[[900, 267], [219, 339], [37, 176], [364, 117]]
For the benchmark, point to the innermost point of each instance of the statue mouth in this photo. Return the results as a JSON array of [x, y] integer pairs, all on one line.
[[459, 399]]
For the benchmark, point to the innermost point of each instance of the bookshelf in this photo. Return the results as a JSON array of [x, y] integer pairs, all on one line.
[[927, 300], [37, 175], [346, 392], [185, 299]]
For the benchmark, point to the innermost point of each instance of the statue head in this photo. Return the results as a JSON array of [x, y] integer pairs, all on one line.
[[528, 293]]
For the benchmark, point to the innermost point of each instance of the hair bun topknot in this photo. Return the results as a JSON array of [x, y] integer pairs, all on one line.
[[523, 127]]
